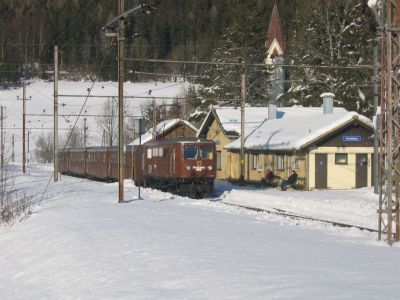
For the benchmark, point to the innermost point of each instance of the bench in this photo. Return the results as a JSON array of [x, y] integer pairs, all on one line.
[[299, 185]]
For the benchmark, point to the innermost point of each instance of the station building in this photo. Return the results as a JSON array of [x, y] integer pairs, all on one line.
[[333, 150]]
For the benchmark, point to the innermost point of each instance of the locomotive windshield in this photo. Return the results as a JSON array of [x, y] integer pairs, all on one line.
[[192, 152], [206, 152]]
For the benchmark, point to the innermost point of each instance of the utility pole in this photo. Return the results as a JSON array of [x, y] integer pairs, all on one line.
[[121, 78], [154, 133], [23, 126], [13, 149], [2, 152], [28, 156], [376, 79], [120, 35], [242, 127], [84, 132], [389, 195], [55, 133]]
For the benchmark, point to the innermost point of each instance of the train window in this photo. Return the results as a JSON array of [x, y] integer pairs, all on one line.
[[190, 152], [149, 153], [155, 152], [165, 152], [206, 152], [160, 152]]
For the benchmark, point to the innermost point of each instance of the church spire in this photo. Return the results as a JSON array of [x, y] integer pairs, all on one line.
[[275, 42]]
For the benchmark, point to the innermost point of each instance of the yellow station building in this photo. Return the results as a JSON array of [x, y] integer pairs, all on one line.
[[330, 148]]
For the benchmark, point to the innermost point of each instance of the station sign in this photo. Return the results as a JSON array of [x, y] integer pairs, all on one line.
[[352, 138]]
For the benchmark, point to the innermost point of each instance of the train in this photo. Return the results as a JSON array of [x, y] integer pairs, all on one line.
[[183, 166]]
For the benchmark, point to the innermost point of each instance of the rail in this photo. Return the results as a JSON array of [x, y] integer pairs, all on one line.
[[281, 212]]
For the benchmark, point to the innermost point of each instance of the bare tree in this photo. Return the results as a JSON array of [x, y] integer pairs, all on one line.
[[108, 123], [74, 138], [44, 148], [14, 204]]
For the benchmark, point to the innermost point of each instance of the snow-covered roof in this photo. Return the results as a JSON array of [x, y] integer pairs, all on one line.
[[229, 117], [297, 131], [161, 128]]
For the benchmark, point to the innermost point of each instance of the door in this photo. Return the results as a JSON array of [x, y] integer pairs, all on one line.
[[361, 170], [321, 171], [172, 163]]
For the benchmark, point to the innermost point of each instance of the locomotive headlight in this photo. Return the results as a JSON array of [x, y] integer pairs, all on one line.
[[209, 168], [188, 168]]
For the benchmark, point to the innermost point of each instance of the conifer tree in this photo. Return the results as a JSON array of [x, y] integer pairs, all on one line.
[[241, 43], [333, 34]]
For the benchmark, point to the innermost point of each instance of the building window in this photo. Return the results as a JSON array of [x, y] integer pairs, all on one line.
[[341, 158], [219, 160], [297, 163], [280, 162], [254, 161]]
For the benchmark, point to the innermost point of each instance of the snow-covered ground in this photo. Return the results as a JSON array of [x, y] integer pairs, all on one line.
[[79, 243]]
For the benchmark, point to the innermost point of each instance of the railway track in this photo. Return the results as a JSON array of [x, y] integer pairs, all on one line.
[[284, 213]]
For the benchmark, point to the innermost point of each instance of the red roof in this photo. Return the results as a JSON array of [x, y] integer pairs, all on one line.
[[275, 30]]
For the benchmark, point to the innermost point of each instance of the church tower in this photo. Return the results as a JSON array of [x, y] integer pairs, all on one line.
[[276, 47]]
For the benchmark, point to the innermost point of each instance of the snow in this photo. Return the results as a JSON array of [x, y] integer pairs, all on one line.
[[229, 117], [79, 243], [296, 132], [372, 3], [327, 95]]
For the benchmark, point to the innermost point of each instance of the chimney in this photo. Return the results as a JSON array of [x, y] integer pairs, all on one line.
[[327, 102], [271, 111]]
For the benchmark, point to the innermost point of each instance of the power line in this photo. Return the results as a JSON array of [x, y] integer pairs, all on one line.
[[78, 115], [35, 128], [151, 60], [244, 64]]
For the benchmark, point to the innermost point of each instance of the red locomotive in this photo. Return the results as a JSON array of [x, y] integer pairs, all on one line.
[[185, 166]]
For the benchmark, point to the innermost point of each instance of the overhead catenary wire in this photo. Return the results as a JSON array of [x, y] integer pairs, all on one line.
[[85, 115], [241, 64]]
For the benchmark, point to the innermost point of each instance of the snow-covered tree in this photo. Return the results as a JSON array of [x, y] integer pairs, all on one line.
[[332, 35], [242, 43]]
